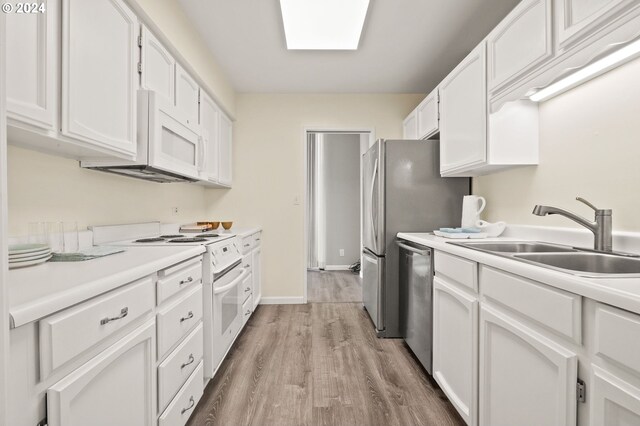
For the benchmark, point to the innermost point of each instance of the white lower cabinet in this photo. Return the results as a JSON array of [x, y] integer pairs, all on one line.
[[256, 274], [117, 387], [613, 401], [525, 378], [455, 346]]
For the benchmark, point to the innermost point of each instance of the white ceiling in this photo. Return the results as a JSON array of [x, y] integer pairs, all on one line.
[[407, 46]]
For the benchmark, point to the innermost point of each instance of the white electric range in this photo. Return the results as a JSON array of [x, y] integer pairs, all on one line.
[[223, 274]]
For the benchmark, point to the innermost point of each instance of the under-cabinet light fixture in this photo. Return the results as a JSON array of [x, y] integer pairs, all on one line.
[[600, 66], [323, 24]]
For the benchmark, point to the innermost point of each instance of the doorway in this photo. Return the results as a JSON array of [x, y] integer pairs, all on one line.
[[334, 236]]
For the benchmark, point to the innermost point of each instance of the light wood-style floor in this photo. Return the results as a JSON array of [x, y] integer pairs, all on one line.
[[334, 286], [320, 364]]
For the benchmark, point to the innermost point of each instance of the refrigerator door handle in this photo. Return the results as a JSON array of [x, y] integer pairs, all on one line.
[[373, 224]]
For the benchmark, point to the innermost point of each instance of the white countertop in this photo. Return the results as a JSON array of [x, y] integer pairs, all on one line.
[[621, 292], [38, 291], [243, 232]]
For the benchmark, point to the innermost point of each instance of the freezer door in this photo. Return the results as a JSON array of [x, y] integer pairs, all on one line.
[[373, 199], [373, 287]]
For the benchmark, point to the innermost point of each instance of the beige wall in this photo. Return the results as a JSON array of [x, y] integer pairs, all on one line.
[[47, 188], [170, 18], [589, 146], [269, 166]]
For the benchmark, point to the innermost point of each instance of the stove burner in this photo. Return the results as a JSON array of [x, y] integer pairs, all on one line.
[[149, 240], [171, 236], [209, 235], [188, 240]]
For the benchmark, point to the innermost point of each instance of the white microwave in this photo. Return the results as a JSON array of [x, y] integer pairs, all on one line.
[[169, 149]]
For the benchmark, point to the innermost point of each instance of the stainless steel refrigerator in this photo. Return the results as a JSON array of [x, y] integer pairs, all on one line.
[[402, 192]]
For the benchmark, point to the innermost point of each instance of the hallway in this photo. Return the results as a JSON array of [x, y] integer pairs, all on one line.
[[333, 287]]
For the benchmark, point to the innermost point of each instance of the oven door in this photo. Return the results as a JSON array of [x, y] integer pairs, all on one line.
[[227, 311]]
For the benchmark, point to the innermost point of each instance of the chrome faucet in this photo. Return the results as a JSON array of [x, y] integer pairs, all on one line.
[[601, 227]]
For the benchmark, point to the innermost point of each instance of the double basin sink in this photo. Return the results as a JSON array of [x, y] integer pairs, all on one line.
[[572, 260]]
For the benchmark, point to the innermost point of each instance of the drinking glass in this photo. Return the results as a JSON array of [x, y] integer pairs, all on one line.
[[71, 242], [37, 233], [55, 237]]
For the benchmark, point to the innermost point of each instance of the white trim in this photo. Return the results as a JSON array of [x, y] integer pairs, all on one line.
[[336, 267], [282, 301], [305, 130], [4, 267]]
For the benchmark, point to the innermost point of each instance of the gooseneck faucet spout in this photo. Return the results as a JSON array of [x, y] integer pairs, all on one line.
[[601, 226]]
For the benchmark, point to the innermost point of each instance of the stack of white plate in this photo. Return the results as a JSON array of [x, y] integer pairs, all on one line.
[[21, 255]]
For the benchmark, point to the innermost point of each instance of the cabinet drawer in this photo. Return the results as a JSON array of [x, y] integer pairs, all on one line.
[[555, 309], [175, 370], [257, 237], [181, 408], [247, 244], [247, 262], [247, 310], [455, 268], [175, 278], [176, 319], [93, 321], [616, 336], [247, 287]]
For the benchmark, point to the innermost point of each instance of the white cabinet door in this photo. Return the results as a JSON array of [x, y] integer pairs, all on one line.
[[117, 387], [455, 347], [187, 92], [257, 276], [463, 114], [410, 126], [427, 115], [525, 378], [210, 124], [158, 66], [32, 66], [613, 402], [577, 19], [99, 73], [522, 41], [226, 154]]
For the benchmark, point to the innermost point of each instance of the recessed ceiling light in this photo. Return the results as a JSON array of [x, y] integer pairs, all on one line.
[[323, 24], [595, 69]]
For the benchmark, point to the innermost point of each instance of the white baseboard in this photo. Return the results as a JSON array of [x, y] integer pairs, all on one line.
[[336, 267], [282, 300]]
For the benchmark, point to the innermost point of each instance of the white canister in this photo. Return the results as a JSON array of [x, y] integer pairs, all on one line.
[[472, 206]]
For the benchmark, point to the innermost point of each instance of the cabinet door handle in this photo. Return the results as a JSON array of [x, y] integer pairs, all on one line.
[[247, 290], [192, 402], [191, 361], [188, 317], [188, 280], [123, 313]]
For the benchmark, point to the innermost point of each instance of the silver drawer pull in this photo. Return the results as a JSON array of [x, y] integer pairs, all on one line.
[[123, 313], [188, 280], [191, 361], [191, 404], [247, 245], [188, 317], [257, 239], [247, 290], [247, 266], [248, 312]]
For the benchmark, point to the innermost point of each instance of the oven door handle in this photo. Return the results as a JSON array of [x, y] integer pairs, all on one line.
[[232, 284]]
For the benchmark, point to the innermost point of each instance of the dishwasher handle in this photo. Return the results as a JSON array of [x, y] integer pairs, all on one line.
[[415, 250]]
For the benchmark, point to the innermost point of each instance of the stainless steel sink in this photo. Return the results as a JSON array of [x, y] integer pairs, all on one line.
[[572, 260], [518, 247], [586, 264]]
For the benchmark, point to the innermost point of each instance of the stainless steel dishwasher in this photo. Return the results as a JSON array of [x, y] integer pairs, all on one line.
[[416, 300]]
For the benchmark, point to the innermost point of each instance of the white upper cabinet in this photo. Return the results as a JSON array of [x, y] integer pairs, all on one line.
[[99, 73], [525, 378], [521, 42], [158, 66], [226, 142], [117, 387], [187, 95], [210, 125], [576, 19], [32, 66], [463, 114], [410, 126], [427, 115]]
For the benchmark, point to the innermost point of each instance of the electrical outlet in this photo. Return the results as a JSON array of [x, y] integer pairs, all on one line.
[[174, 210], [341, 252]]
